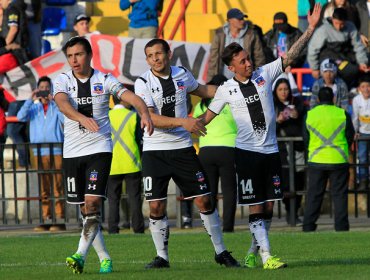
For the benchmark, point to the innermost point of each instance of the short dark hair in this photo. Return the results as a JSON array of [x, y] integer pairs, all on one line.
[[326, 95], [340, 14], [77, 40], [151, 43], [364, 78], [43, 79], [229, 52]]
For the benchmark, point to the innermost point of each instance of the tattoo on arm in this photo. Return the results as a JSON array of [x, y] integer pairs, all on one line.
[[297, 47]]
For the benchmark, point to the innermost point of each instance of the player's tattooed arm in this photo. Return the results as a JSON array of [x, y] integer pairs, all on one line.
[[299, 45]]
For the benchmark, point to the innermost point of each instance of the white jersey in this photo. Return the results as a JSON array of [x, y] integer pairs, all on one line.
[[168, 98], [252, 106], [90, 98], [361, 114]]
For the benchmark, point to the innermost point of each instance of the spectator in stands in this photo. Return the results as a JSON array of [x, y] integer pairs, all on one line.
[[361, 123], [46, 127], [3, 108], [328, 133], [328, 71], [7, 59], [235, 30], [289, 116], [281, 37], [143, 17], [82, 25], [220, 140], [339, 40], [127, 147], [352, 12], [14, 27], [17, 132], [303, 7], [34, 14], [363, 9]]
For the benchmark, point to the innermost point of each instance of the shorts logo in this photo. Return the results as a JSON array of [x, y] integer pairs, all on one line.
[[259, 81], [200, 176], [202, 187], [93, 176], [276, 180], [98, 88], [92, 187]]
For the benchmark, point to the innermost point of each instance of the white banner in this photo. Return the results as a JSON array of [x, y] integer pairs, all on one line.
[[123, 57]]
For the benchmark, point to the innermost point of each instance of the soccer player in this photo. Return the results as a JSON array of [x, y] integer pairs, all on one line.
[[257, 158], [82, 95], [169, 152]]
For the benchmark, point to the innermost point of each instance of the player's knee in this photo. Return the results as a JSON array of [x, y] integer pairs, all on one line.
[[204, 203], [157, 208]]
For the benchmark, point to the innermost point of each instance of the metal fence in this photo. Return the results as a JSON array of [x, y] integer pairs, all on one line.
[[21, 201]]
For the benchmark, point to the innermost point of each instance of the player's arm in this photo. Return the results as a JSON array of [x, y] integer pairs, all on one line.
[[297, 48], [13, 30], [193, 125], [205, 91], [67, 109], [146, 121]]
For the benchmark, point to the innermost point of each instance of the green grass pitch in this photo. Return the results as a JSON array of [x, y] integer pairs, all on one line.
[[321, 255]]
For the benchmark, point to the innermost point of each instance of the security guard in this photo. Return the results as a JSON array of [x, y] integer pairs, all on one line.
[[328, 133], [126, 165]]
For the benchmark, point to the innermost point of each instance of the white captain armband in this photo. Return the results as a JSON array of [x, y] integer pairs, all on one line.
[[118, 90]]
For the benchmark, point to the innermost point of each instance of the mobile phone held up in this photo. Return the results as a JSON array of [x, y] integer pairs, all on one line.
[[43, 93]]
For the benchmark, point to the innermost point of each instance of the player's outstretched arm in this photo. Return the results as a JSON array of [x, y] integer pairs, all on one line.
[[146, 121], [205, 91], [298, 46], [193, 125], [67, 109]]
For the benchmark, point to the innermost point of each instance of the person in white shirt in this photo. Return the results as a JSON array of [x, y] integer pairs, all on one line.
[[257, 161], [361, 123]]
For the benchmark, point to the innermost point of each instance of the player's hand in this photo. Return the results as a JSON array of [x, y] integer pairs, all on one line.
[[90, 124], [314, 18], [364, 40], [363, 68], [316, 74], [146, 122], [195, 126]]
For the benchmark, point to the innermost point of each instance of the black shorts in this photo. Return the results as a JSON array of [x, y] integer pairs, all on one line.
[[86, 175], [258, 177], [182, 165]]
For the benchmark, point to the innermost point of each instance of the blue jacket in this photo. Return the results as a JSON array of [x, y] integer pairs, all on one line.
[[143, 14], [43, 129]]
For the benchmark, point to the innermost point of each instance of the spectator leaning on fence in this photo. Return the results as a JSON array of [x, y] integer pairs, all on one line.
[[361, 123], [338, 39], [289, 111], [328, 134], [46, 126]]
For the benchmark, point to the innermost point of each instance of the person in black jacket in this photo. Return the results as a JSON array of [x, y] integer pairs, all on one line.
[[290, 111], [281, 37]]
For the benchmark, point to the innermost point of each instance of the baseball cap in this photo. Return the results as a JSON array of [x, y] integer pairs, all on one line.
[[235, 13], [328, 65], [80, 17], [280, 19]]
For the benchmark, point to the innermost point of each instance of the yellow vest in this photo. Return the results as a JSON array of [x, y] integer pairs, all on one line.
[[328, 144], [126, 156]]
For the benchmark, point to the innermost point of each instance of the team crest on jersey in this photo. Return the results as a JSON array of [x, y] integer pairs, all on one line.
[[200, 176], [98, 88], [93, 176], [180, 84], [276, 180], [259, 81]]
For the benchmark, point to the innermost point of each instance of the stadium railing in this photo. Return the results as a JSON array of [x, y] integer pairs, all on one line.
[[21, 202]]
